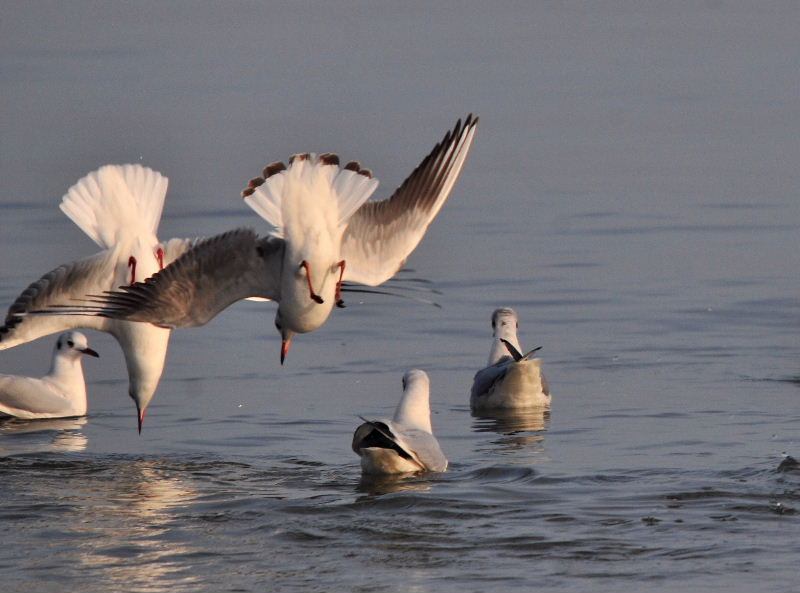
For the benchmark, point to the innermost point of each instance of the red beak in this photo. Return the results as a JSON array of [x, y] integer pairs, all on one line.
[[285, 345], [141, 414]]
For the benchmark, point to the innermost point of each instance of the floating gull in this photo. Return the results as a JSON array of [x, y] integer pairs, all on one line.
[[512, 380], [323, 232], [61, 393], [405, 443], [119, 208]]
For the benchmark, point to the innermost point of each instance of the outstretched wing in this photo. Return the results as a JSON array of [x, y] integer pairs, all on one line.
[[381, 235], [194, 288], [67, 285]]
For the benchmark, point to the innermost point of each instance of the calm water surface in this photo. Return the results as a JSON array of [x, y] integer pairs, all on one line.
[[632, 193]]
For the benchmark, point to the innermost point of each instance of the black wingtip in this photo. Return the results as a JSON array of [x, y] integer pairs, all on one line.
[[515, 354]]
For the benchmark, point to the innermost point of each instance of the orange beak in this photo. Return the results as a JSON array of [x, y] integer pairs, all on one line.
[[140, 416], [285, 345]]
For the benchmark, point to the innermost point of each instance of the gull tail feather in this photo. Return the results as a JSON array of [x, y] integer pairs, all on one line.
[[116, 202]]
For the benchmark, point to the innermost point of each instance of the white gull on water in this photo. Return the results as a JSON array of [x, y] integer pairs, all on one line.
[[323, 232], [61, 393], [405, 443], [119, 207], [512, 379]]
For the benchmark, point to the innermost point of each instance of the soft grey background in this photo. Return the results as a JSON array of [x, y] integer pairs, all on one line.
[[632, 192]]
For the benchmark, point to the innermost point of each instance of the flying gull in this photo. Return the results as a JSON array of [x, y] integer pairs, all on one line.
[[323, 232], [119, 208]]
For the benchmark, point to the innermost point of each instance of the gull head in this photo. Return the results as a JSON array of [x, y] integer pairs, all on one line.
[[73, 345], [504, 322]]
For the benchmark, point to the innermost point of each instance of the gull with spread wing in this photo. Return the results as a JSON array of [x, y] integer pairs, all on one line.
[[119, 208], [323, 232]]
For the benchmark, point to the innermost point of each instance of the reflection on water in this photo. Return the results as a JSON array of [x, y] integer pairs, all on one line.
[[522, 431], [124, 524], [511, 421], [32, 436], [386, 484]]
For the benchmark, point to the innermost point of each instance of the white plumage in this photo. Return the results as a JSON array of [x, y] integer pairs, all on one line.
[[322, 232], [119, 207], [511, 379], [61, 393], [405, 443]]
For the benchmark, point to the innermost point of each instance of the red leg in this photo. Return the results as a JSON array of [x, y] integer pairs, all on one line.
[[339, 301], [132, 266], [160, 256], [314, 296]]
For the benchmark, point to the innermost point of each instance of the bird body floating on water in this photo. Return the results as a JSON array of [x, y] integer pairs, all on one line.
[[405, 443], [61, 393], [511, 379]]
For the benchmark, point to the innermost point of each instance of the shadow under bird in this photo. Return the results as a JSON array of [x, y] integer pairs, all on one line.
[[512, 379], [61, 393], [405, 443], [119, 207], [323, 232]]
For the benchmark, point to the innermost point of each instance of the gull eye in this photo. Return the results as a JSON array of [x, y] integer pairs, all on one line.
[[70, 343]]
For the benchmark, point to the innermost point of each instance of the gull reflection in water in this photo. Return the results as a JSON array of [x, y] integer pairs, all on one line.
[[37, 436], [376, 485], [520, 429]]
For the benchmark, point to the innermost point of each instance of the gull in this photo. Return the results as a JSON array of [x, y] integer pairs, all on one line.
[[323, 232], [61, 393], [119, 208], [511, 379], [406, 443]]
